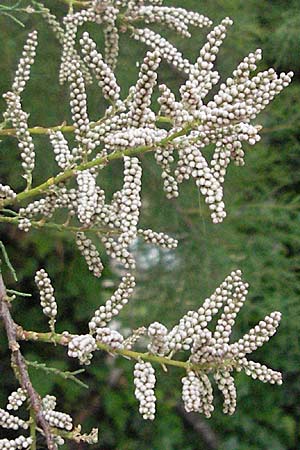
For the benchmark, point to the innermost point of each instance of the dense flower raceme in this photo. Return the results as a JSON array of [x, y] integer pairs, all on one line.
[[131, 127]]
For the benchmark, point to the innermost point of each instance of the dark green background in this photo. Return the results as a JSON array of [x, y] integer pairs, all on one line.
[[259, 236]]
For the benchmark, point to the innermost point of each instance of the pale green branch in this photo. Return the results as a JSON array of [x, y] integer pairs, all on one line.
[[64, 339], [57, 227]]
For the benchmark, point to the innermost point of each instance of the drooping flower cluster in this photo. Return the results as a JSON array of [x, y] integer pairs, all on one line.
[[144, 381], [90, 253], [197, 394]]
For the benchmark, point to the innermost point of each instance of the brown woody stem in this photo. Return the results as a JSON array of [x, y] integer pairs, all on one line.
[[19, 363]]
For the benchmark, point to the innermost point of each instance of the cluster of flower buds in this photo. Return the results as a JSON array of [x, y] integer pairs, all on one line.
[[63, 156], [177, 19], [7, 420], [48, 301], [16, 399], [80, 117], [44, 207], [166, 49], [59, 419], [14, 112], [225, 383], [19, 443], [90, 253], [161, 239], [104, 314], [105, 76], [109, 337], [6, 192], [197, 393], [144, 381], [158, 339], [82, 347], [56, 419], [87, 196], [124, 214]]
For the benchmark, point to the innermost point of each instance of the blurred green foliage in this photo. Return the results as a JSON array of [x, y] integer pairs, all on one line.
[[259, 236]]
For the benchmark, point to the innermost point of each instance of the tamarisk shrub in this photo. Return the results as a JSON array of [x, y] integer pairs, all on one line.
[[177, 136]]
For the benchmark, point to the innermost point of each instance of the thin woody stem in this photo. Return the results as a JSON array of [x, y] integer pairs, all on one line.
[[20, 365], [64, 339]]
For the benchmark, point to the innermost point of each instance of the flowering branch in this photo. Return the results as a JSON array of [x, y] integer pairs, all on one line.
[[65, 338], [62, 177]]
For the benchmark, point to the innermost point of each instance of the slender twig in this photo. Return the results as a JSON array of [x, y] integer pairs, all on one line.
[[66, 375], [7, 261], [58, 227], [18, 293], [19, 362]]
